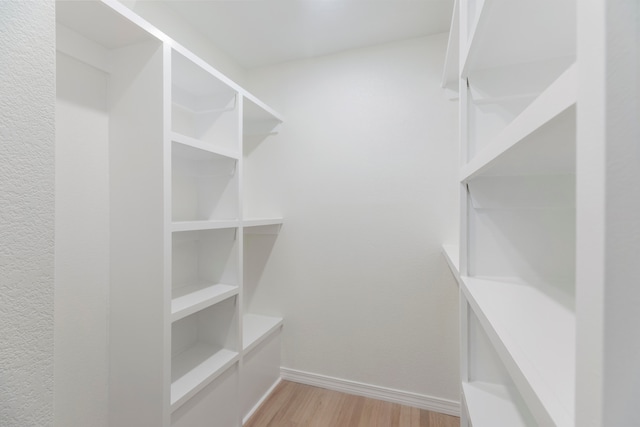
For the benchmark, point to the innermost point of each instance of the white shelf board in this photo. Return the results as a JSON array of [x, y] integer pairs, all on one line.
[[517, 150], [196, 367], [452, 59], [488, 47], [262, 225], [192, 148], [486, 100], [192, 298], [256, 110], [474, 33], [258, 119], [256, 328], [452, 255], [533, 331], [179, 226], [198, 79], [107, 25], [491, 405]]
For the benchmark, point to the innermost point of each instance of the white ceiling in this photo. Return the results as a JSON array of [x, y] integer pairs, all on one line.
[[264, 32]]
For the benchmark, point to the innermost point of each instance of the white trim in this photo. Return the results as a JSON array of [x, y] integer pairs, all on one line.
[[430, 403], [261, 401]]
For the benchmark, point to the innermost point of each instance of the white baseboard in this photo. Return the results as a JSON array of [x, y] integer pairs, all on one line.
[[435, 404], [261, 401]]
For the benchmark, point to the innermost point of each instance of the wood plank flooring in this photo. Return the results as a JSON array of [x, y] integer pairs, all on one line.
[[298, 405]]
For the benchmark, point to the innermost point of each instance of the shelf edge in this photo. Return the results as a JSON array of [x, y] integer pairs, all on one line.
[[232, 358], [452, 256], [558, 97], [181, 226], [452, 57], [549, 411], [201, 145], [278, 323], [205, 303], [506, 412]]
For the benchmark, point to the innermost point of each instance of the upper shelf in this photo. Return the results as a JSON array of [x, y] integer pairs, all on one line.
[[258, 118], [262, 225], [452, 59], [196, 88], [103, 24], [197, 225], [533, 331], [88, 31], [452, 255], [540, 140], [192, 148], [503, 32]]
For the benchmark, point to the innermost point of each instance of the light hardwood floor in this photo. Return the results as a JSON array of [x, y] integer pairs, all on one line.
[[298, 405]]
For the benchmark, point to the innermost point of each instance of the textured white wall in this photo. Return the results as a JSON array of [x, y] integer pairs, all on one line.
[[364, 171], [27, 128]]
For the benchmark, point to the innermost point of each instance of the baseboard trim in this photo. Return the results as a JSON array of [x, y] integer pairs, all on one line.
[[261, 401], [435, 404]]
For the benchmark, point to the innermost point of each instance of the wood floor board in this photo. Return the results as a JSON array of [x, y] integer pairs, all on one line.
[[298, 405]]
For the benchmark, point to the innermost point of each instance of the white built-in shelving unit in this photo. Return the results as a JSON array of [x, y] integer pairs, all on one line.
[[187, 348], [518, 262]]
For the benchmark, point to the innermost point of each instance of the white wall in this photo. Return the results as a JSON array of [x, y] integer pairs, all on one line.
[[82, 245], [27, 114], [365, 172], [171, 23]]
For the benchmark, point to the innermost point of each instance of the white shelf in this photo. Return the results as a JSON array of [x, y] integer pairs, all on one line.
[[476, 21], [179, 226], [258, 222], [492, 405], [262, 225], [192, 148], [523, 147], [257, 111], [450, 75], [256, 328], [533, 332], [493, 41], [258, 119], [452, 255], [192, 298], [196, 87], [187, 380]]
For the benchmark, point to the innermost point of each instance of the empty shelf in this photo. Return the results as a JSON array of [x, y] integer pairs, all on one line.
[[186, 146], [452, 255], [256, 328], [533, 331], [516, 152], [178, 226], [190, 379], [492, 405], [189, 299]]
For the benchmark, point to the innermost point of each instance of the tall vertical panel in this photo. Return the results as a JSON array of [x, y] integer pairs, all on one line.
[[608, 223], [138, 393]]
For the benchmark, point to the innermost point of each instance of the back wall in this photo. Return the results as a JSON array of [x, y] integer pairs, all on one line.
[[364, 173]]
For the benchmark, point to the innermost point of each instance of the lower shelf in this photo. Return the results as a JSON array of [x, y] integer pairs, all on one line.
[[533, 332], [193, 369], [255, 328], [492, 405]]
